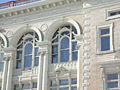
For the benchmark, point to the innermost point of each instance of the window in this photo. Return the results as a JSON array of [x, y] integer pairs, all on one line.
[[112, 81], [2, 45], [27, 51], [64, 45], [104, 39], [64, 84], [34, 85], [16, 87], [113, 13], [26, 86]]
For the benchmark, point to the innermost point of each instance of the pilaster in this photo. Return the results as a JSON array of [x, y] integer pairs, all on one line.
[[79, 39], [9, 52], [43, 51], [86, 51]]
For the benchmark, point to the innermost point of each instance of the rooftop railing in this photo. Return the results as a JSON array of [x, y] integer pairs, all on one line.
[[16, 3]]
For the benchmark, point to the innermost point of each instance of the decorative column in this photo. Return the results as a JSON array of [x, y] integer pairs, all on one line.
[[6, 60], [79, 39], [44, 48], [40, 70], [10, 52]]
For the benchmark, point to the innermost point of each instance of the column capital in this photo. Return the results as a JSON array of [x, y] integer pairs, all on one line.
[[42, 51], [7, 57], [44, 44], [79, 39], [9, 50]]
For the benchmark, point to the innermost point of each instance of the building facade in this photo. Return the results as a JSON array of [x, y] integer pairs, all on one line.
[[60, 45]]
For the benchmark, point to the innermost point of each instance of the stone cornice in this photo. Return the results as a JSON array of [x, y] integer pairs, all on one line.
[[33, 7], [110, 63]]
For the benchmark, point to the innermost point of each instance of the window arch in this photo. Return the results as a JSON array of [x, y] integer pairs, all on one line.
[[27, 51], [64, 44], [2, 45]]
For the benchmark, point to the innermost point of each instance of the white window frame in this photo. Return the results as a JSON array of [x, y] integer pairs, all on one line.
[[23, 50], [108, 11], [106, 81], [98, 38]]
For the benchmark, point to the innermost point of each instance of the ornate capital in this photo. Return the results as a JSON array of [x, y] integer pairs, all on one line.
[[44, 44], [7, 57], [9, 50], [79, 39], [42, 51]]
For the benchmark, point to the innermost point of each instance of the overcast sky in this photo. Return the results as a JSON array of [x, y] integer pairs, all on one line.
[[4, 1]]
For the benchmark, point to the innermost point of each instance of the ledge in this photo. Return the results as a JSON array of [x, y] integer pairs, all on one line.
[[33, 7]]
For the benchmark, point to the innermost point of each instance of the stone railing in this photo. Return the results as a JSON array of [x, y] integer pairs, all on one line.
[[67, 65], [33, 71], [16, 3]]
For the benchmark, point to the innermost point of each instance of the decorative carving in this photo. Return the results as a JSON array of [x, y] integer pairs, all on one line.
[[62, 70], [44, 27]]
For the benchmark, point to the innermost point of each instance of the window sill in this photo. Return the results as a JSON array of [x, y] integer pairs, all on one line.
[[112, 17], [104, 52]]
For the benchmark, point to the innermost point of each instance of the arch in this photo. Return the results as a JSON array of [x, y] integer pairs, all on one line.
[[4, 39], [54, 26], [23, 30]]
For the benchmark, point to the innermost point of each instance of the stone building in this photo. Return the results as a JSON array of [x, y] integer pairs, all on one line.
[[60, 45]]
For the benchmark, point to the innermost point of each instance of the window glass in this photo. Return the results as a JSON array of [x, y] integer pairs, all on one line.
[[74, 56], [65, 43], [112, 84], [36, 51], [55, 58], [55, 49], [65, 88], [105, 31], [64, 56], [74, 46], [73, 88], [105, 43], [1, 66], [36, 63], [53, 89], [28, 49], [112, 76], [34, 85], [74, 81], [16, 87], [26, 86], [63, 82], [53, 83], [18, 64], [65, 33], [19, 55], [28, 61]]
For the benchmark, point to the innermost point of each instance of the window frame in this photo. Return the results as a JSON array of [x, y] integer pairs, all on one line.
[[108, 11], [98, 38], [113, 80], [59, 34], [23, 41], [58, 86]]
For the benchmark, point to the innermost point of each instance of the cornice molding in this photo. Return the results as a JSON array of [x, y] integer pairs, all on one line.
[[33, 7]]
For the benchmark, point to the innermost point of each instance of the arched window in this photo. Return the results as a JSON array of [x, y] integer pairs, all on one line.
[[27, 51], [2, 45], [64, 44]]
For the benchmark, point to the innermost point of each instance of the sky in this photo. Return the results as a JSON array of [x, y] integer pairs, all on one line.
[[4, 1]]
